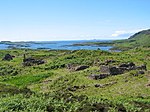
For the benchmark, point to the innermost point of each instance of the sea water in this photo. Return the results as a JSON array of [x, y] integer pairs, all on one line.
[[61, 45]]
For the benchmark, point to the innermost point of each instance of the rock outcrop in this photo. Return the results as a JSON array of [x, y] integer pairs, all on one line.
[[72, 67], [128, 65], [115, 70], [8, 57], [111, 70], [32, 61], [81, 67], [106, 71], [99, 76]]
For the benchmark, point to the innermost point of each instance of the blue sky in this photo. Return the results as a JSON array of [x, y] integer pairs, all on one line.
[[72, 19]]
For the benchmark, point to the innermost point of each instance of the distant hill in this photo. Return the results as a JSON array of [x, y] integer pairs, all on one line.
[[137, 35], [140, 39]]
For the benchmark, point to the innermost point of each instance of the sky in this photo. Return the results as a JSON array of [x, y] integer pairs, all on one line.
[[48, 20]]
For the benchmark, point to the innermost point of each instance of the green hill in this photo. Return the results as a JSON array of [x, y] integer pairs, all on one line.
[[140, 39]]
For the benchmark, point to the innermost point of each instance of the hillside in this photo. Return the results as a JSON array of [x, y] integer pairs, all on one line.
[[73, 81], [140, 39]]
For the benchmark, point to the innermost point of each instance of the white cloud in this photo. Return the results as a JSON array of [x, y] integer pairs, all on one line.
[[118, 33]]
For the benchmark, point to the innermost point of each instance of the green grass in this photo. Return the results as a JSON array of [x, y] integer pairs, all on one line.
[[50, 83], [139, 39], [27, 79]]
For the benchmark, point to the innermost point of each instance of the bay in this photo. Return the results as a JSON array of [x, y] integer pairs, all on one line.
[[59, 45]]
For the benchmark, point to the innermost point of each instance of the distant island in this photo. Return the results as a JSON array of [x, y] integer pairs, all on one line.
[[141, 38]]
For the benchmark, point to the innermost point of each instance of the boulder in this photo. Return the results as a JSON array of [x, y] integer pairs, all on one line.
[[98, 85], [8, 57], [127, 65], [131, 64], [100, 76], [28, 60], [115, 71], [142, 67], [111, 70], [38, 62], [82, 67], [141, 72], [32, 61], [104, 69]]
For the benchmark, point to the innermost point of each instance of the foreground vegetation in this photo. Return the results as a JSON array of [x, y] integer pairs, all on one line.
[[53, 87]]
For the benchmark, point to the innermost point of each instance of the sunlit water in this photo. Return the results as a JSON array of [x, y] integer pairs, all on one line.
[[65, 45]]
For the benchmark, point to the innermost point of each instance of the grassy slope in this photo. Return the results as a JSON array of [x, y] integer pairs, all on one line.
[[141, 39], [53, 78]]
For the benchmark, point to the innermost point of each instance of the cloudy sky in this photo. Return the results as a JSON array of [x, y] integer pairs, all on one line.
[[46, 20]]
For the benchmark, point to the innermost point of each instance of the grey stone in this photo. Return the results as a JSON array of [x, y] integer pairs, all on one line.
[[127, 65], [115, 71], [104, 69], [142, 67], [81, 67], [32, 61], [8, 57], [100, 76]]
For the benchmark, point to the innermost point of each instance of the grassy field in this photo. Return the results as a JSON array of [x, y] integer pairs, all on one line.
[[52, 87]]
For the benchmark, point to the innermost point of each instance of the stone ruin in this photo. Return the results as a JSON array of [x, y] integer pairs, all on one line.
[[8, 57], [116, 70], [32, 61]]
